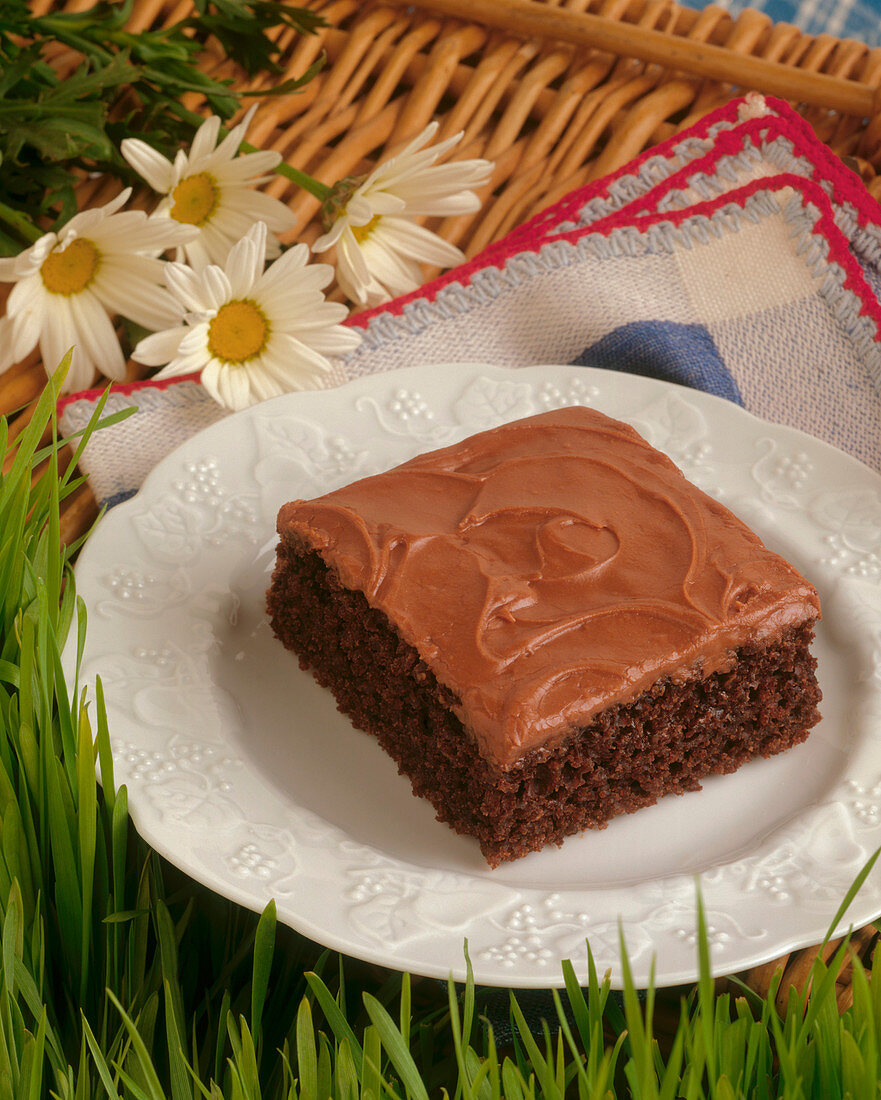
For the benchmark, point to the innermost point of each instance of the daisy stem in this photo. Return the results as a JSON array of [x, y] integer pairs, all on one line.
[[20, 223], [320, 190]]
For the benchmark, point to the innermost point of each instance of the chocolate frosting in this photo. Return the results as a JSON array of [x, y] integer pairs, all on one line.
[[549, 568]]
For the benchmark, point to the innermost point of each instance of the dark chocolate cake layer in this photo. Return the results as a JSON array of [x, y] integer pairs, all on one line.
[[664, 741], [551, 568], [547, 625]]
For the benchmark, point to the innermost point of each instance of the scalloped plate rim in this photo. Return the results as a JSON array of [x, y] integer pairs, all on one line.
[[313, 403]]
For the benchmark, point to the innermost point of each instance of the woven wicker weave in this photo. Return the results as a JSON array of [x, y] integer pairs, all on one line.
[[550, 113], [533, 92]]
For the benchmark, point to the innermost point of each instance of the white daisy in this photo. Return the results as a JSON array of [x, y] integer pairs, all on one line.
[[212, 188], [252, 334], [70, 284], [379, 246]]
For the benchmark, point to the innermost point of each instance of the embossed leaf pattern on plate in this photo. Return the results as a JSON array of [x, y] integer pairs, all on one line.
[[213, 731]]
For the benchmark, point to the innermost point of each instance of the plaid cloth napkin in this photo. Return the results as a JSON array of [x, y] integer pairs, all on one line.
[[740, 257]]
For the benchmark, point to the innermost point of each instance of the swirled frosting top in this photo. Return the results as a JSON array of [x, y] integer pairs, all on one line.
[[549, 568]]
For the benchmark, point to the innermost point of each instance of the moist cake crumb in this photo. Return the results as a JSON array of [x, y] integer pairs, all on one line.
[[546, 626]]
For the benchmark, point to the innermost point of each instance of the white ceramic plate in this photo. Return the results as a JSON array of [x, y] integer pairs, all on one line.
[[242, 773]]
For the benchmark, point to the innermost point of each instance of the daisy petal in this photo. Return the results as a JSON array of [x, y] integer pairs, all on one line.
[[133, 232], [228, 148], [96, 336], [160, 347], [150, 164], [209, 378], [301, 352], [417, 243], [197, 255], [246, 260], [252, 167], [384, 259], [195, 341], [397, 272], [25, 295], [125, 290], [288, 374], [351, 256], [216, 287], [257, 206], [262, 384], [337, 340], [233, 387], [82, 224], [26, 326], [7, 358], [292, 269], [187, 364], [205, 138], [187, 287], [329, 239], [59, 335]]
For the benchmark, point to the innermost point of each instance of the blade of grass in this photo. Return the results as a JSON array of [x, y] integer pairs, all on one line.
[[264, 944], [855, 887], [396, 1048], [142, 1054], [544, 1071], [307, 1051], [642, 1067], [706, 995], [104, 1074], [86, 816], [463, 1087], [29, 440], [335, 1017]]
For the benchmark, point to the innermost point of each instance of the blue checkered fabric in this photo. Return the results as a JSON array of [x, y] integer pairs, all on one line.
[[860, 19]]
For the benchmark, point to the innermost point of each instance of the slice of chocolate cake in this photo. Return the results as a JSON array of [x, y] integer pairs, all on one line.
[[547, 625]]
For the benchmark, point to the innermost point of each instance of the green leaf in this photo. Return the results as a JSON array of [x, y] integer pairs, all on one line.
[[264, 944], [346, 1078], [127, 83], [513, 1084], [100, 1061], [864, 873], [86, 815], [396, 1048], [12, 939], [706, 994], [857, 1077], [307, 1052], [542, 1066], [335, 1017], [62, 826], [142, 1054], [371, 1075], [178, 1069], [9, 673]]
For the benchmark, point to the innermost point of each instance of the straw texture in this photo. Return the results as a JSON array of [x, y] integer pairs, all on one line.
[[555, 94]]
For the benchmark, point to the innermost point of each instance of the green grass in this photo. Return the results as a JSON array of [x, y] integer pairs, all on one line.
[[120, 977]]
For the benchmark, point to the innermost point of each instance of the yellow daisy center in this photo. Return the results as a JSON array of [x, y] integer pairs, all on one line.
[[70, 270], [362, 232], [238, 332], [195, 199]]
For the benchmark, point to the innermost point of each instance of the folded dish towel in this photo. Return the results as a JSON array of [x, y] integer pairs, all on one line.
[[740, 257]]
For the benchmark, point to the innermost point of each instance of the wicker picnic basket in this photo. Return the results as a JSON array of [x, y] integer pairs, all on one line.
[[554, 92]]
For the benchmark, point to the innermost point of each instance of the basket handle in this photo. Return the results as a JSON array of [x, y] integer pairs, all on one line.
[[531, 19]]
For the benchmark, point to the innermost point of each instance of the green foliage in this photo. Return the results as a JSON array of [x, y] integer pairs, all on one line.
[[124, 84], [119, 977]]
